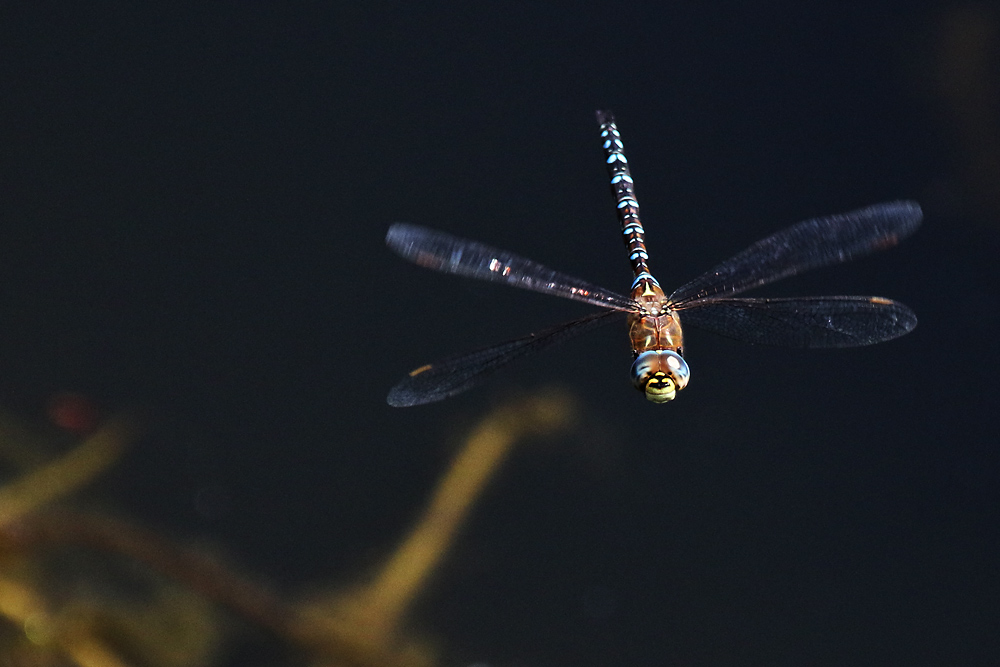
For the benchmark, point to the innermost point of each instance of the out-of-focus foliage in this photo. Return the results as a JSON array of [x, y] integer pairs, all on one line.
[[79, 587], [967, 69]]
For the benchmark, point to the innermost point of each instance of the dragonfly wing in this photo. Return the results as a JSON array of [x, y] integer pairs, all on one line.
[[450, 254], [454, 375], [806, 245], [808, 322]]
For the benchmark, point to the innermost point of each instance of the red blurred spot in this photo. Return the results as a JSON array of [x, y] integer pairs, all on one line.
[[74, 412]]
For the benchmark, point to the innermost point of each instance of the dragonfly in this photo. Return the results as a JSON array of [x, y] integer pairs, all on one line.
[[654, 318]]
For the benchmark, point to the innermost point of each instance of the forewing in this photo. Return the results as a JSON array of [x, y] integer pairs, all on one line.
[[806, 245], [450, 254], [808, 322]]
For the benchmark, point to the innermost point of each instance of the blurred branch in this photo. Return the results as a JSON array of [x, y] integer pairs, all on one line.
[[67, 473]]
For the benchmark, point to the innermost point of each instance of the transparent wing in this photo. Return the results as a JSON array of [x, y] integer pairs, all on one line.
[[454, 375], [450, 254], [808, 322], [806, 245]]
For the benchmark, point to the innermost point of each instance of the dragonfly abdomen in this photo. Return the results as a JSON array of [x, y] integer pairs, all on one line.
[[626, 204]]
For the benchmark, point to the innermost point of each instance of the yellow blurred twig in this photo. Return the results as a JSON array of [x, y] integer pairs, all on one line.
[[484, 452], [67, 473], [371, 617]]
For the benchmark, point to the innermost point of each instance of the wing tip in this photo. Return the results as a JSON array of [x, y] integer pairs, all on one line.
[[400, 398], [906, 210], [395, 232]]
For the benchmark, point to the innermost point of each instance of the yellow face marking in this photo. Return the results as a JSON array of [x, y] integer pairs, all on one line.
[[660, 388], [418, 371]]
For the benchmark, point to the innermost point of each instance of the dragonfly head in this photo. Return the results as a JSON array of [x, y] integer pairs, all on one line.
[[660, 374]]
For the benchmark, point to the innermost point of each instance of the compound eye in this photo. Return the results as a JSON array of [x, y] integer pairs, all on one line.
[[676, 368]]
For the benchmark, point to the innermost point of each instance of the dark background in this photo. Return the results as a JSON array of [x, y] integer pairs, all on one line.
[[192, 215]]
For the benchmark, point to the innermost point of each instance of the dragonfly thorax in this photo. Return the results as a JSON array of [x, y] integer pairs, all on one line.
[[661, 331]]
